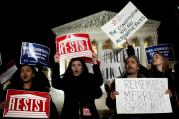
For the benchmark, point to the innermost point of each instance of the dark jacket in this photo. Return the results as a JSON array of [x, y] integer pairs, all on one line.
[[79, 92], [167, 74]]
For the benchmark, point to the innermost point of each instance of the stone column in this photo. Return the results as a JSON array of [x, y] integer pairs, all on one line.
[[62, 66], [155, 38], [142, 51], [99, 47]]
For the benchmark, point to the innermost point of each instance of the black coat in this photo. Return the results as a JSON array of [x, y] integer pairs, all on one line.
[[80, 92], [167, 74]]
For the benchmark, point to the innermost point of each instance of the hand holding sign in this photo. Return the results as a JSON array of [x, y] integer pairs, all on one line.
[[169, 92], [113, 94], [128, 41], [94, 57], [3, 105], [57, 58]]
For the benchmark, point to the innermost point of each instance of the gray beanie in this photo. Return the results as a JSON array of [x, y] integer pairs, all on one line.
[[135, 58]]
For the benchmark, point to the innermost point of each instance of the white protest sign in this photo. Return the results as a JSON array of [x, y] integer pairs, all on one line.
[[124, 24], [112, 64], [142, 95], [136, 51]]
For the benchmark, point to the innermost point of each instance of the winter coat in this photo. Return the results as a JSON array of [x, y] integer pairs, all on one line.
[[80, 93], [167, 74]]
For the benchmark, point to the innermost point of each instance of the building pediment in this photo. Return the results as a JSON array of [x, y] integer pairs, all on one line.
[[94, 22]]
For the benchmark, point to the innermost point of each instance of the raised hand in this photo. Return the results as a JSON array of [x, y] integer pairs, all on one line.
[[57, 58], [94, 57], [128, 41]]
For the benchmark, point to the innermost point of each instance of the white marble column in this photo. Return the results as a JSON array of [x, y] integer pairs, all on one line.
[[62, 67], [142, 51], [99, 47], [155, 38]]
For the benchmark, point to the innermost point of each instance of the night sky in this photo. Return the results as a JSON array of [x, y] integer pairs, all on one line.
[[32, 21]]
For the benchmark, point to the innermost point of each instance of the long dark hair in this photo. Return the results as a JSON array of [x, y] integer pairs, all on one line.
[[69, 74], [39, 81]]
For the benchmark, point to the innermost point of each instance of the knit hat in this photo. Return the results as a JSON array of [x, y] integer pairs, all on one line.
[[135, 58]]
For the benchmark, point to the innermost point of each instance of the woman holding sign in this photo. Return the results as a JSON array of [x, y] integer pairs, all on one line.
[[160, 69], [80, 87], [27, 78]]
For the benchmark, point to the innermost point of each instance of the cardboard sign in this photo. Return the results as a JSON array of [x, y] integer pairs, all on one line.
[[32, 54], [27, 104], [124, 24], [142, 95], [74, 45], [165, 49]]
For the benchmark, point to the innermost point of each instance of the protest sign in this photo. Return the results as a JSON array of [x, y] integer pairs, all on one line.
[[136, 51], [165, 49], [9, 69], [73, 45], [33, 54], [112, 62], [142, 95], [124, 24], [27, 104]]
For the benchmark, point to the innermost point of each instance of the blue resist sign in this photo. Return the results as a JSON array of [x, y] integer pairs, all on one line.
[[165, 49], [32, 53]]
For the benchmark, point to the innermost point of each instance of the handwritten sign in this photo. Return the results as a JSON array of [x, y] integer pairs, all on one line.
[[32, 53], [27, 104], [165, 49], [112, 62], [73, 45], [142, 95], [124, 24]]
